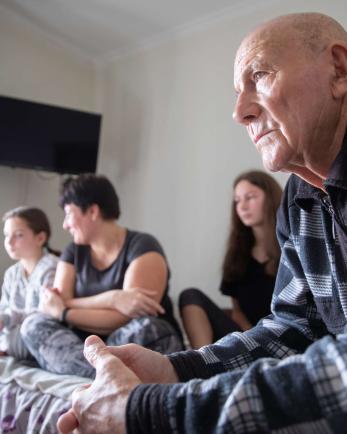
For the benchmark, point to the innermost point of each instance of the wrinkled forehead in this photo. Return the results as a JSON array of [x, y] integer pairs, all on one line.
[[250, 49], [263, 47]]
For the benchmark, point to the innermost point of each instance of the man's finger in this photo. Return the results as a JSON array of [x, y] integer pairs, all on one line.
[[96, 352], [126, 353], [121, 351], [67, 422], [108, 365], [78, 390]]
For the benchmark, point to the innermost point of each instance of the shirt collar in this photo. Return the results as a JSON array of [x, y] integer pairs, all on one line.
[[337, 177]]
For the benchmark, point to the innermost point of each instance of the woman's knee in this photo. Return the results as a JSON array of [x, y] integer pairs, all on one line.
[[150, 332], [191, 296]]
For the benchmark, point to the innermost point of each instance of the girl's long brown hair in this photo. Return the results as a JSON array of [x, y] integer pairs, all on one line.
[[241, 238]]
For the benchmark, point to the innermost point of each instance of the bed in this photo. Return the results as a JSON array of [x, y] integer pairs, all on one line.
[[31, 400]]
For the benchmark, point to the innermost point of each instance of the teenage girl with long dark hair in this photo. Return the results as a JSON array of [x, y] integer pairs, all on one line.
[[249, 266]]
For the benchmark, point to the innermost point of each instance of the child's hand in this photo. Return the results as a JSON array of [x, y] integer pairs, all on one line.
[[56, 290], [51, 303]]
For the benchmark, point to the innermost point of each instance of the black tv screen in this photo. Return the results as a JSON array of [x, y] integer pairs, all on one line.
[[45, 137]]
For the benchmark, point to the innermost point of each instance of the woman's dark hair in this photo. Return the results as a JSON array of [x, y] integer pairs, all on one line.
[[36, 220], [89, 189], [241, 238]]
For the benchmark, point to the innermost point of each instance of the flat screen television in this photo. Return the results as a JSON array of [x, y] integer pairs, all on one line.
[[46, 137]]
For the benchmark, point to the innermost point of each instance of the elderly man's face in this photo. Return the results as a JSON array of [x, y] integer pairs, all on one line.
[[282, 98]]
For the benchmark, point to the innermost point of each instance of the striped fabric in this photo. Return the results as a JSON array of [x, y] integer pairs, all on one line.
[[287, 375], [20, 296]]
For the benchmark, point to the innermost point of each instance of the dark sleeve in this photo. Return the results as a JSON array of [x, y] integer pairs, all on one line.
[[228, 288], [289, 331], [68, 254], [145, 412], [141, 244], [304, 393]]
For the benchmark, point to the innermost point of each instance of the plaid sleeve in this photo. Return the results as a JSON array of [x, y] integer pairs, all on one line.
[[295, 321], [282, 376], [303, 393]]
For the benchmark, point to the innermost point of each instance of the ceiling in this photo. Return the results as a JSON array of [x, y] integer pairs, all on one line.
[[100, 29]]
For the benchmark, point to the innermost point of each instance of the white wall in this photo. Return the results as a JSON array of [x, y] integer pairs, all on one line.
[[171, 146], [33, 67], [169, 143]]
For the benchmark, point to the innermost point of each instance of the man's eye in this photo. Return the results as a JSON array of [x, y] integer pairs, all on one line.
[[258, 75]]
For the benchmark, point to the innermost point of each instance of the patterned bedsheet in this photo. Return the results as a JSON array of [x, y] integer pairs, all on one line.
[[31, 400]]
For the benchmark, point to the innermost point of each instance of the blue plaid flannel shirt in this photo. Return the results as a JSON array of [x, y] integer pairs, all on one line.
[[289, 373]]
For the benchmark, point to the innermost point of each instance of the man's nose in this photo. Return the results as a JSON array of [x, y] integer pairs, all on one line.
[[246, 109]]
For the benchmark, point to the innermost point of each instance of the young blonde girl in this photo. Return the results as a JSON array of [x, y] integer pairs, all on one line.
[[26, 235]]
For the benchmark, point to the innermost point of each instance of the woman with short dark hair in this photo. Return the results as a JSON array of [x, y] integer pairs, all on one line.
[[110, 281], [88, 189]]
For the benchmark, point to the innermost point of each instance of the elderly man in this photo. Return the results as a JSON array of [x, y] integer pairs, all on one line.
[[289, 373]]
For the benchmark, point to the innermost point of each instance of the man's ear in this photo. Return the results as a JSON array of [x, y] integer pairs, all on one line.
[[339, 81]]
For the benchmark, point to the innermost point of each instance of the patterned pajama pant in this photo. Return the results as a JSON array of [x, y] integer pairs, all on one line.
[[59, 349]]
